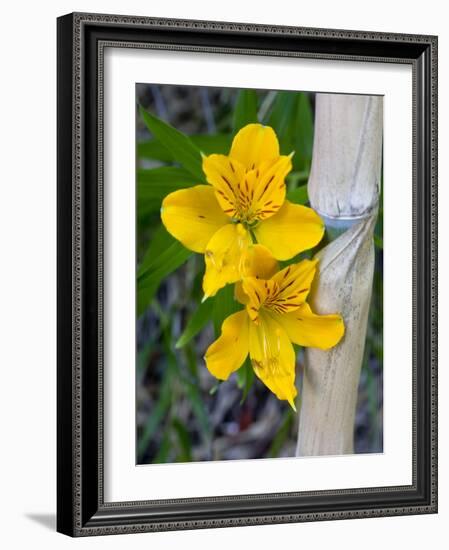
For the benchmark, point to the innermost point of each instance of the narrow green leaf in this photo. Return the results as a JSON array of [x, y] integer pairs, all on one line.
[[200, 410], [305, 123], [169, 260], [153, 149], [143, 356], [298, 195], [155, 184], [241, 377], [196, 323], [245, 110], [249, 379], [164, 449], [156, 416], [295, 177], [164, 254], [161, 241], [224, 305], [303, 133], [180, 146], [194, 394], [245, 379], [164, 176], [185, 442], [214, 388], [281, 118], [159, 412], [145, 296], [213, 143], [281, 435], [207, 143], [378, 241], [378, 230], [191, 358], [292, 119]]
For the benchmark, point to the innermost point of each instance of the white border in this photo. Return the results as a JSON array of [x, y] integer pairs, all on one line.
[[123, 480]]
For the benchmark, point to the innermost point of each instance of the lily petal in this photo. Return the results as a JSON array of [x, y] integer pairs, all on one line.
[[294, 284], [269, 191], [193, 216], [291, 230], [259, 292], [225, 175], [239, 293], [224, 257], [254, 144], [230, 350], [306, 328], [273, 358], [259, 263]]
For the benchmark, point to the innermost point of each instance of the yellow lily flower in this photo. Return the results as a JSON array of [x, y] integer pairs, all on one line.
[[276, 314], [245, 201]]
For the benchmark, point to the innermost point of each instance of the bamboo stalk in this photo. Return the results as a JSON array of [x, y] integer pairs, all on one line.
[[344, 188]]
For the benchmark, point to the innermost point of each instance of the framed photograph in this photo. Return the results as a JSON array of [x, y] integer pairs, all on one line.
[[247, 279]]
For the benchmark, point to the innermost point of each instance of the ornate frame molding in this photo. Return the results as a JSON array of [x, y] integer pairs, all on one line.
[[81, 41]]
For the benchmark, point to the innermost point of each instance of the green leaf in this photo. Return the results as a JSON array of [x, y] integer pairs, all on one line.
[[294, 178], [179, 145], [245, 110], [241, 377], [199, 409], [185, 443], [164, 254], [143, 356], [213, 143], [161, 241], [195, 396], [207, 143], [245, 378], [145, 296], [153, 149], [164, 449], [281, 435], [166, 176], [215, 387], [378, 230], [164, 264], [298, 195], [303, 136], [378, 241], [292, 119], [224, 305], [281, 118], [157, 414], [196, 323], [155, 184]]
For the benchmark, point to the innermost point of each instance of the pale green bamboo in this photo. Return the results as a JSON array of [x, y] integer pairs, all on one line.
[[344, 188]]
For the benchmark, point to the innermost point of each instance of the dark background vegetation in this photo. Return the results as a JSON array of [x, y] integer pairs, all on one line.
[[183, 414]]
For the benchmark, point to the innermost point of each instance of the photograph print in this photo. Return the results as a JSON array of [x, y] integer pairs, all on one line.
[[259, 277]]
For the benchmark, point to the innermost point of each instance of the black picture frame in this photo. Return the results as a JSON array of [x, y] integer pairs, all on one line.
[[81, 509]]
